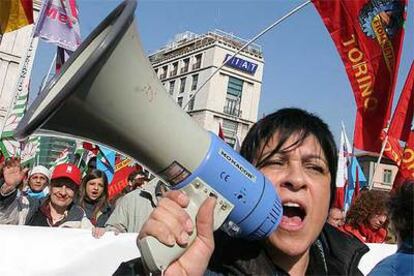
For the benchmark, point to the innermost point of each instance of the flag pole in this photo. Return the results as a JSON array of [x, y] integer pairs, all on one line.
[[42, 86], [81, 158], [283, 18]]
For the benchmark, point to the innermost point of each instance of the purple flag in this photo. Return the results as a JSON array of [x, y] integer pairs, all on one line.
[[59, 24]]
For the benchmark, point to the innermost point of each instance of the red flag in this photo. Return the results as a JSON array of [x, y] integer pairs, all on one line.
[[400, 126], [123, 167], [368, 35], [406, 170], [91, 147], [220, 132], [340, 196], [393, 149], [401, 120]]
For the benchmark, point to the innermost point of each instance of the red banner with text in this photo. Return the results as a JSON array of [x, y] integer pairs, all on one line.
[[368, 35], [406, 170]]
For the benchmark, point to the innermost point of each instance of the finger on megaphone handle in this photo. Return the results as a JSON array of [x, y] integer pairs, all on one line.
[[178, 196], [178, 212], [197, 256], [158, 230], [174, 218]]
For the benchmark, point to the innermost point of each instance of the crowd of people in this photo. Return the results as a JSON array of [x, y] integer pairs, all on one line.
[[292, 147], [63, 198]]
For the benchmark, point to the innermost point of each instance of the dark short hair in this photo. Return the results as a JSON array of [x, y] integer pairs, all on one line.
[[134, 174], [286, 122], [401, 211]]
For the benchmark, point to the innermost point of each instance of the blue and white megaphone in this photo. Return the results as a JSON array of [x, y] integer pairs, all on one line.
[[108, 93]]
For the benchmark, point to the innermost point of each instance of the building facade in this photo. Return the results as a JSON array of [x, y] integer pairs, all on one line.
[[230, 98], [13, 47], [384, 175], [12, 50]]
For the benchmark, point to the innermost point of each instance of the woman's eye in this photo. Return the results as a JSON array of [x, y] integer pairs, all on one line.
[[317, 168], [274, 163]]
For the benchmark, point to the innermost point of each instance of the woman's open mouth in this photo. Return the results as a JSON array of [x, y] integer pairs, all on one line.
[[293, 216]]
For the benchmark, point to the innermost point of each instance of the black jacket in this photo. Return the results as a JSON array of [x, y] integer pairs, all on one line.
[[103, 215], [333, 253]]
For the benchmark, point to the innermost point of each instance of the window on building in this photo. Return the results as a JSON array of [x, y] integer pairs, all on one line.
[[387, 176], [235, 87], [171, 89], [180, 101], [233, 97], [164, 72], [186, 63], [194, 82], [230, 131], [191, 103], [197, 63], [156, 71], [174, 69], [182, 85]]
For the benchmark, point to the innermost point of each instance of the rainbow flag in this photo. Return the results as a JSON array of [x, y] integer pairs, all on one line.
[[15, 14]]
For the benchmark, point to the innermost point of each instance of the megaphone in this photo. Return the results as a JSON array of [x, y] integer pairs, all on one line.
[[108, 93]]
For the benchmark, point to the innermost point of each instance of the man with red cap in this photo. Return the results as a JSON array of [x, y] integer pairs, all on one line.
[[56, 210]]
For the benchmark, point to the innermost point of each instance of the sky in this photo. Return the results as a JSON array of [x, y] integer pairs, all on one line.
[[302, 66]]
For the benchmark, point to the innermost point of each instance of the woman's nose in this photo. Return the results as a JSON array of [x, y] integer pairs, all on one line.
[[294, 178], [382, 218]]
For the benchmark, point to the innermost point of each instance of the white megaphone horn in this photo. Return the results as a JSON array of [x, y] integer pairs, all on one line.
[[108, 93]]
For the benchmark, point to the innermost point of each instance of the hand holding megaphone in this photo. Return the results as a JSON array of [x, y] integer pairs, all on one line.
[[170, 224]]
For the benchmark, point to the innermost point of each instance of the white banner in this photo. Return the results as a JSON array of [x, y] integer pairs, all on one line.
[[377, 252], [44, 251], [29, 250]]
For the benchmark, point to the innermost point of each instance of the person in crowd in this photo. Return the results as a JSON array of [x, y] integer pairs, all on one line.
[[367, 218], [401, 211], [56, 210], [336, 217], [134, 208], [91, 165], [296, 151], [38, 182], [137, 179], [93, 197]]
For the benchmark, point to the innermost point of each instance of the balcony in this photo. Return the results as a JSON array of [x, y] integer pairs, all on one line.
[[173, 73], [184, 70], [196, 66], [232, 107]]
